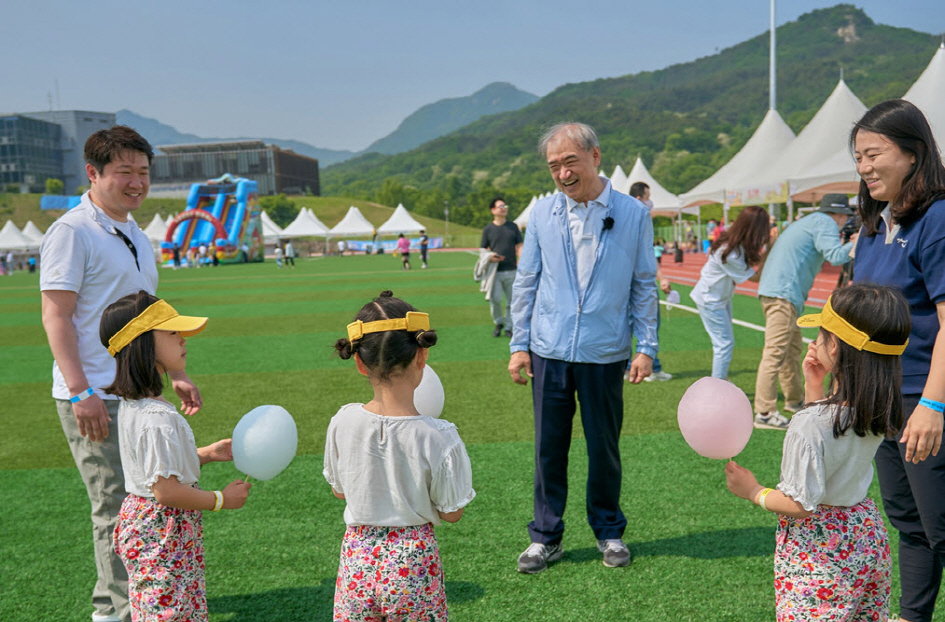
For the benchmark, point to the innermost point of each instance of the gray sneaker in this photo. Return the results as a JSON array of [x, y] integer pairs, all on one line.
[[771, 421], [616, 553], [537, 557], [793, 408]]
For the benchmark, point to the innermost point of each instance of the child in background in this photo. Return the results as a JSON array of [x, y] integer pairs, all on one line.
[[832, 559], [403, 246], [731, 257], [399, 472], [159, 536]]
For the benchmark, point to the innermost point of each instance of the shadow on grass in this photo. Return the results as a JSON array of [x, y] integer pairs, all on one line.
[[310, 603], [748, 542]]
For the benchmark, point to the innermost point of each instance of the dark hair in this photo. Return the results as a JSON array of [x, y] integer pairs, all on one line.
[[638, 189], [388, 352], [869, 384], [750, 232], [136, 374], [104, 146], [904, 125], [494, 201]]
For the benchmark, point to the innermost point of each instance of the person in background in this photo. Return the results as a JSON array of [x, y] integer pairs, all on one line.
[[289, 254], [403, 247], [790, 269], [424, 244], [504, 239], [902, 210]]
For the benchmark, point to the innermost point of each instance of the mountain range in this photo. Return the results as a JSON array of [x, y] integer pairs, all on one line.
[[427, 123]]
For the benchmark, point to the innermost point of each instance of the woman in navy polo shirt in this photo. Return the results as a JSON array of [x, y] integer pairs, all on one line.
[[902, 243]]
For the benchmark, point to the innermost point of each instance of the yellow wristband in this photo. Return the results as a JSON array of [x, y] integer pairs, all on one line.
[[219, 502], [761, 499]]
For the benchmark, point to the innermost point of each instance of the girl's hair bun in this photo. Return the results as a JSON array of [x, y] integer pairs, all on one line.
[[344, 348], [426, 338], [386, 294]]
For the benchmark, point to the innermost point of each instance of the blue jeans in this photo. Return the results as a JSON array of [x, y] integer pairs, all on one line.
[[717, 320]]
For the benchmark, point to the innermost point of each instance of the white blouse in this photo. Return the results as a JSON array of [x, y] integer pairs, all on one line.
[[396, 471], [818, 468], [155, 441], [717, 280]]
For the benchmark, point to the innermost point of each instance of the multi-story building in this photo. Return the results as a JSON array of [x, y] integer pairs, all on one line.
[[29, 153], [77, 126], [275, 170]]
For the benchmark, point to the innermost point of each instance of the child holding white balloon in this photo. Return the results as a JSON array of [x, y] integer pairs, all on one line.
[[399, 472], [832, 558], [159, 536]]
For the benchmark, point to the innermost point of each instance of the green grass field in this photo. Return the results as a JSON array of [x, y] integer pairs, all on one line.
[[699, 552]]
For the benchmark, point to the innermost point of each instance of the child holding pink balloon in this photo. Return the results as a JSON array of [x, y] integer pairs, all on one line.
[[399, 472], [159, 536], [832, 557], [731, 259]]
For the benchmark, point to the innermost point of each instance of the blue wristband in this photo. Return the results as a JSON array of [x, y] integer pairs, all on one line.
[[81, 396], [938, 407]]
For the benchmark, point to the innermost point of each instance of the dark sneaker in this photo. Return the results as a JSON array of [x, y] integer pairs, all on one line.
[[508, 332], [771, 421], [616, 553], [498, 331], [537, 557]]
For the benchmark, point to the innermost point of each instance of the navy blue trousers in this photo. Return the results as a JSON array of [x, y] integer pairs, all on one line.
[[599, 389], [914, 500]]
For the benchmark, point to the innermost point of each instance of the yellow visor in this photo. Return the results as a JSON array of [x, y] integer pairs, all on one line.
[[847, 333], [159, 316], [413, 322]]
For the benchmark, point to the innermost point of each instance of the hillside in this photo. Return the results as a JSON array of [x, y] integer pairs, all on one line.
[[442, 117], [685, 120]]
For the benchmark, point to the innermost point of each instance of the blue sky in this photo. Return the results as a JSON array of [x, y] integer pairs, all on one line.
[[342, 74]]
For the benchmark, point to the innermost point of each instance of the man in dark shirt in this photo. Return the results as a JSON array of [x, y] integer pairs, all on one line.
[[424, 245], [505, 240]]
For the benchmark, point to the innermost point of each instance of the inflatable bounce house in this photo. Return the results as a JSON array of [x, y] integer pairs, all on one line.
[[223, 215]]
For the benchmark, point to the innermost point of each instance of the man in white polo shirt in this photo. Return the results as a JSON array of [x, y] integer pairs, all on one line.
[[92, 256]]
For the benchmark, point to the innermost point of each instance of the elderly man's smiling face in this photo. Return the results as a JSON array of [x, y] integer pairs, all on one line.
[[574, 169]]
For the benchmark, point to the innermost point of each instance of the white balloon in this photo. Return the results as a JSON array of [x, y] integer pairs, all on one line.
[[264, 442], [428, 397]]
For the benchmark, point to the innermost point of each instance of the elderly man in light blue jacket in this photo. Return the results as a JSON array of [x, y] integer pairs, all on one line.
[[585, 287]]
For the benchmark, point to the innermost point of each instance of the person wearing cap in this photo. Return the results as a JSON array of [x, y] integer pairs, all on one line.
[[793, 263], [902, 244], [92, 255], [585, 287]]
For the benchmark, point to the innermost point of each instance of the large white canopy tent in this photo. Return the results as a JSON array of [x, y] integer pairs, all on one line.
[[769, 140], [306, 224], [156, 230], [11, 239], [400, 222], [271, 231], [522, 219], [928, 94], [354, 224], [826, 133], [619, 181], [32, 232], [665, 203]]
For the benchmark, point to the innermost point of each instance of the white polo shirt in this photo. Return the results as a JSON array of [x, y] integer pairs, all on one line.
[[82, 253]]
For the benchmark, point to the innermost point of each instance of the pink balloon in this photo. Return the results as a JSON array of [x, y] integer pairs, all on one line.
[[715, 418]]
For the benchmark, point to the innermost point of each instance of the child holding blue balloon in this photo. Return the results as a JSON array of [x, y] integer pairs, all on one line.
[[159, 536], [399, 472], [832, 557]]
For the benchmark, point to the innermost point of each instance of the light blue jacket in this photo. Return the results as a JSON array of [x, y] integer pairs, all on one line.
[[798, 255], [552, 318]]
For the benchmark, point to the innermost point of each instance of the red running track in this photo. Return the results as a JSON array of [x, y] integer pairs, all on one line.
[[687, 273]]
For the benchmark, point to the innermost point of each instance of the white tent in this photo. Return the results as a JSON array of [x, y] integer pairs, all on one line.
[[837, 173], [768, 141], [820, 140], [306, 224], [928, 93], [522, 220], [663, 199], [32, 232], [156, 230], [271, 231], [619, 181], [400, 222], [167, 221], [12, 239], [352, 225]]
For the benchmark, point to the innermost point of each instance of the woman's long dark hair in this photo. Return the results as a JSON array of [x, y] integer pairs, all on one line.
[[390, 352], [136, 374], [903, 124], [869, 384], [750, 232]]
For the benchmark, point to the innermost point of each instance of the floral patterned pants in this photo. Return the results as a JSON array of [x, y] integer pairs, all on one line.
[[833, 565], [162, 549], [390, 571]]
